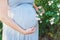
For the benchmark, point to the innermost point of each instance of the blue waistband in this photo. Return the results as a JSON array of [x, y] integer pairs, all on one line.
[[24, 3], [21, 4]]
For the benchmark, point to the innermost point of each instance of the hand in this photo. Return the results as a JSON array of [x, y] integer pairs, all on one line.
[[30, 31], [37, 8]]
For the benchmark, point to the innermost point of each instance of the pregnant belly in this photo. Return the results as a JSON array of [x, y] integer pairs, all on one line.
[[24, 16]]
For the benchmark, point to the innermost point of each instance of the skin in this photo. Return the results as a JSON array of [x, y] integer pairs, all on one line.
[[8, 21], [36, 8]]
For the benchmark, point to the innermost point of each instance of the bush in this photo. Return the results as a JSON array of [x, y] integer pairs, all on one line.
[[49, 24]]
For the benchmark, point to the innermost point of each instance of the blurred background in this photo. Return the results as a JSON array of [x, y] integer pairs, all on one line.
[[1, 25], [49, 22]]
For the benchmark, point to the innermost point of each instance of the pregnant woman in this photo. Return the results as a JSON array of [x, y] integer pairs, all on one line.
[[23, 25]]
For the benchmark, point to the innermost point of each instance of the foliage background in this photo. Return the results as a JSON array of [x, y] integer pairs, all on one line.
[[49, 22], [1, 30]]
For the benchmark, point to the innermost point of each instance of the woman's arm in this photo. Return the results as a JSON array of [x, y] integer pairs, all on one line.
[[7, 20], [36, 8]]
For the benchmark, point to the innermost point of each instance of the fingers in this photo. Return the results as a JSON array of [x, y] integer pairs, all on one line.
[[30, 30], [40, 7], [43, 11], [33, 28]]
